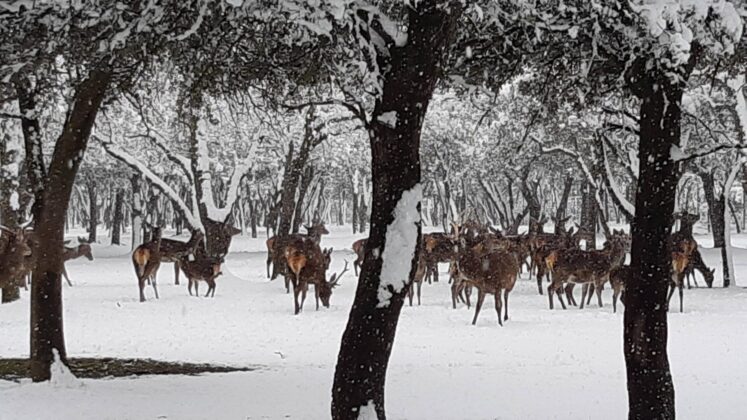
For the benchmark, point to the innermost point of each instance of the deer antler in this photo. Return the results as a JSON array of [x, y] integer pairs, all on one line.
[[336, 277]]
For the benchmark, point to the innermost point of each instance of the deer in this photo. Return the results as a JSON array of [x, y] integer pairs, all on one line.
[[584, 267], [71, 253], [173, 251], [198, 267], [437, 248], [682, 251], [618, 280], [491, 272], [617, 235], [15, 253], [147, 259], [417, 281], [308, 264], [541, 245], [359, 247], [276, 249]]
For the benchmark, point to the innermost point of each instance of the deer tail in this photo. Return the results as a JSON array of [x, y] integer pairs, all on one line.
[[139, 260]]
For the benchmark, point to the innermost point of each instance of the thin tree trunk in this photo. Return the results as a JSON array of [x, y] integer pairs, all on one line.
[[360, 374], [137, 211], [715, 208], [93, 210], [47, 336], [118, 217]]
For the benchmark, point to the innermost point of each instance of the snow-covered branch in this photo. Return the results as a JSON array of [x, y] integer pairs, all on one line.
[[158, 183]]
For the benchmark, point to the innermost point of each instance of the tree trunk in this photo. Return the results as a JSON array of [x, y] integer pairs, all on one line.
[[560, 213], [34, 161], [360, 374], [650, 387], [355, 213], [137, 211], [93, 210], [716, 207], [118, 217], [47, 336], [303, 188], [589, 213]]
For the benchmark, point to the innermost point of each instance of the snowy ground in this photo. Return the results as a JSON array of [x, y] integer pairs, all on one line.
[[541, 365]]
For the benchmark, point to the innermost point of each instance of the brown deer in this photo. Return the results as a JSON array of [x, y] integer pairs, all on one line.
[[617, 235], [583, 267], [418, 280], [359, 247], [541, 245], [71, 253], [697, 263], [173, 251], [15, 252], [492, 272], [619, 277], [308, 264], [276, 249], [437, 248], [147, 259], [682, 251], [197, 268]]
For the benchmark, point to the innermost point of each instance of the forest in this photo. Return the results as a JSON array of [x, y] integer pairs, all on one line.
[[404, 158]]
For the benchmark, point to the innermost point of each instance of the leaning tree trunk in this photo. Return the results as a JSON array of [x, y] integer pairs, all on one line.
[[47, 335], [650, 386], [303, 189], [117, 217], [360, 374]]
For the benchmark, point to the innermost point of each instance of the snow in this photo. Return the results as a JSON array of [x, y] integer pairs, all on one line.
[[60, 375], [400, 245], [541, 365], [368, 412], [388, 118], [14, 204]]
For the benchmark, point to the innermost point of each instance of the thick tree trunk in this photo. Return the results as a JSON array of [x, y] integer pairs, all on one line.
[[118, 217], [588, 223], [303, 188], [560, 213], [47, 336], [650, 387], [360, 374]]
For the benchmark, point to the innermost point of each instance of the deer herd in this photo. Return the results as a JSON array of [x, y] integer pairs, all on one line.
[[479, 257]]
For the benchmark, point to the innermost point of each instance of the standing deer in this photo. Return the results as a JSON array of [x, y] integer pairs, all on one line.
[[71, 253], [682, 251], [618, 280], [308, 264], [173, 251], [198, 267], [418, 280], [276, 249], [147, 259], [437, 248], [491, 272], [584, 267], [359, 247]]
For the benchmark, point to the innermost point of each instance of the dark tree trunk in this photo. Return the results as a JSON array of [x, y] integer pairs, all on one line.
[[362, 213], [360, 374], [47, 334], [355, 212], [253, 215], [93, 210], [118, 217], [650, 386], [715, 208], [588, 223], [560, 213], [303, 188]]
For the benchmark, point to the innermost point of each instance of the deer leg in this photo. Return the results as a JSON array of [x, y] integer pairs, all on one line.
[[598, 290], [64, 274], [420, 283], [435, 272], [672, 285], [155, 288], [568, 289], [499, 306], [505, 297], [296, 291], [303, 294], [679, 287], [141, 284], [539, 278], [592, 289], [268, 263], [454, 294], [549, 295], [176, 272], [316, 296], [584, 291], [615, 294], [196, 283], [189, 286], [478, 305], [467, 293], [287, 280]]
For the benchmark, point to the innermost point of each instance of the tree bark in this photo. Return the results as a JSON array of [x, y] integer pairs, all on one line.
[[560, 213], [47, 334], [650, 386], [137, 211], [715, 208], [588, 223], [34, 161], [360, 374], [8, 215], [118, 217], [93, 210]]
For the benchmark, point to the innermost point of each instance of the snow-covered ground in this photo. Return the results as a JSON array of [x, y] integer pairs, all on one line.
[[543, 364]]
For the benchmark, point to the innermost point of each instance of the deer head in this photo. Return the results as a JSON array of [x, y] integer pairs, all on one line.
[[325, 291], [85, 250], [316, 230]]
